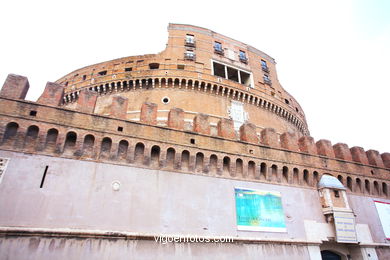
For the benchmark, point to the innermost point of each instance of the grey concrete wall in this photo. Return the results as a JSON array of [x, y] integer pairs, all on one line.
[[70, 249], [79, 195]]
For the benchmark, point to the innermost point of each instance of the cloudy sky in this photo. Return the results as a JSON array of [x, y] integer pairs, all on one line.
[[333, 56]]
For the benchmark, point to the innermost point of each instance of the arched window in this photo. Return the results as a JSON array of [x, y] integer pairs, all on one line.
[[376, 188], [274, 170], [213, 163], [139, 153], [89, 141], [295, 176], [263, 171], [70, 141], [51, 139], [122, 149], [105, 148], [185, 160], [239, 167], [31, 136], [251, 169], [306, 177], [170, 157], [155, 156], [349, 183], [367, 186], [358, 185], [315, 178], [226, 165], [384, 189], [10, 131], [285, 174], [199, 160]]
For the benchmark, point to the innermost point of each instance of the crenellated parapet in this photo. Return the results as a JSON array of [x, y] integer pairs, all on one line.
[[260, 156]]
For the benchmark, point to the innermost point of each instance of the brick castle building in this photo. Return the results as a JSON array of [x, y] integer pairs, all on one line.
[[199, 140]]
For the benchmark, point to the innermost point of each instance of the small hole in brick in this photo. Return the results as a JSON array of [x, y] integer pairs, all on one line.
[[192, 141], [120, 129], [33, 113]]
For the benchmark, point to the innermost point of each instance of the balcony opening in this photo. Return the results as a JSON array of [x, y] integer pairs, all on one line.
[[154, 66], [219, 70], [245, 78], [232, 74]]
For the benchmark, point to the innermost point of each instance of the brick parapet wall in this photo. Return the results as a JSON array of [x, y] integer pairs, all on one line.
[[109, 143]]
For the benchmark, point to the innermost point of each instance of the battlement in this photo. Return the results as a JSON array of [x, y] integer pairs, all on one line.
[[44, 128]]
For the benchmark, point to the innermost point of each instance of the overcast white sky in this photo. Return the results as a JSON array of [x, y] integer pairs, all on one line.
[[332, 56]]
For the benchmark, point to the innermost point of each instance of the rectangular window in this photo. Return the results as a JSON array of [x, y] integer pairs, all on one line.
[[189, 55], [232, 74], [128, 69], [267, 80], [219, 70], [190, 40], [243, 57], [245, 78], [102, 73], [264, 66], [218, 48]]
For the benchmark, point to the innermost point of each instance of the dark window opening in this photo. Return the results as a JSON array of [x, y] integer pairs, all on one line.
[[84, 77], [336, 194], [154, 66], [140, 60], [245, 78], [232, 74], [33, 113], [296, 109], [180, 67], [102, 73], [128, 69], [66, 83], [219, 70], [120, 128], [286, 101], [192, 141]]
